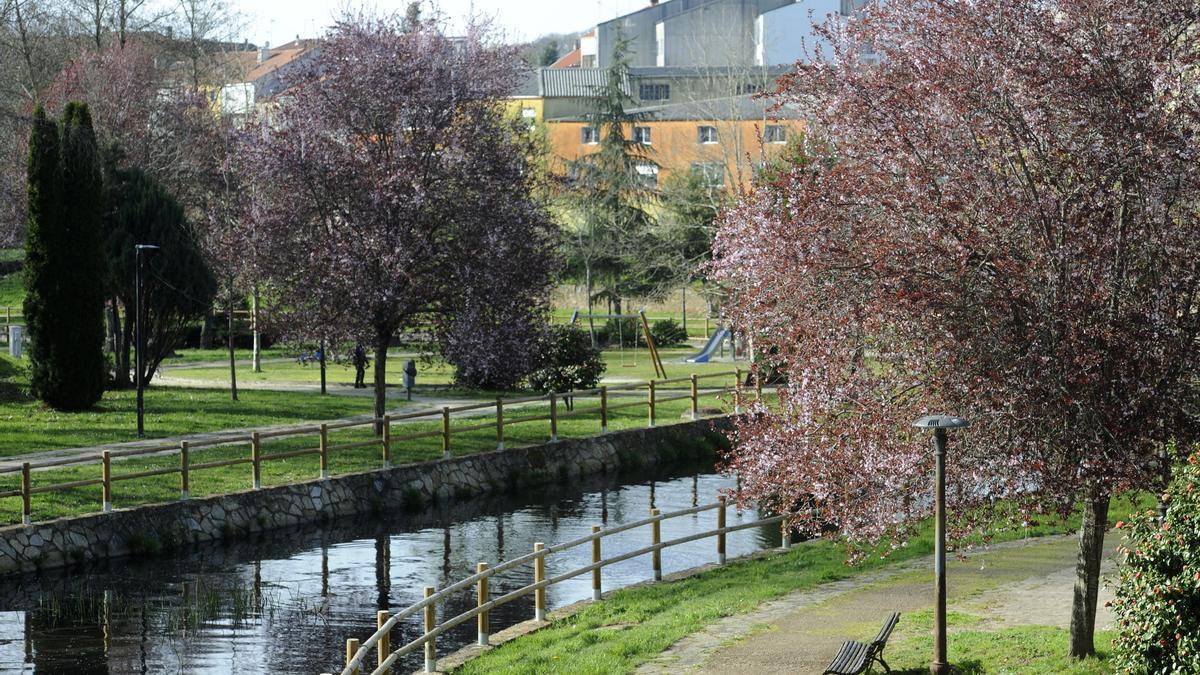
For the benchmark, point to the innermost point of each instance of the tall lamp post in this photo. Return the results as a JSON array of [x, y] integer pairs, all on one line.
[[939, 424], [138, 346]]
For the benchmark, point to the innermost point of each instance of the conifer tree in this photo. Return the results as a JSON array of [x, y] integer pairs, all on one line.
[[64, 267]]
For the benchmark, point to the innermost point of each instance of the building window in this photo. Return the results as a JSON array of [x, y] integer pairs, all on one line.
[[654, 92], [775, 133], [647, 174], [641, 135], [706, 135], [712, 172], [746, 88], [589, 136]]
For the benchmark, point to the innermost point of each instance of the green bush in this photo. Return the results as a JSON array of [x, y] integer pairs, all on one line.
[[566, 361], [667, 333], [1157, 601], [621, 332]]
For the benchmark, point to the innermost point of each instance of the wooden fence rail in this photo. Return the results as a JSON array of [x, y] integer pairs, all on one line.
[[537, 559], [186, 466]]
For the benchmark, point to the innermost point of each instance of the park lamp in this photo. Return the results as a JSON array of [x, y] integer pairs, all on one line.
[[939, 424], [138, 346]]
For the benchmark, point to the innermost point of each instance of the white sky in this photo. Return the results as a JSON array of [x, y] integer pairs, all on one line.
[[279, 21]]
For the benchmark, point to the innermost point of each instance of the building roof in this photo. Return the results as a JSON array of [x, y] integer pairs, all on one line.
[[573, 82], [573, 59], [748, 107]]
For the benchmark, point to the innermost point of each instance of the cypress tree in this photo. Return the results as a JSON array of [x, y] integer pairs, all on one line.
[[65, 267], [43, 239]]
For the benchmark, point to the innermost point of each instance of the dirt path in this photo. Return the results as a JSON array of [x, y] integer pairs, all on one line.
[[1024, 582]]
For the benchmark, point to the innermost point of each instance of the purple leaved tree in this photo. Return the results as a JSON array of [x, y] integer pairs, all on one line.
[[390, 190], [1005, 229]]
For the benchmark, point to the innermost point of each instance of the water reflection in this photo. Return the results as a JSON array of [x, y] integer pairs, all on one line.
[[287, 602]]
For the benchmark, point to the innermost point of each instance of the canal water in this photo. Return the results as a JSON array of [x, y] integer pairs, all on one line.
[[286, 603]]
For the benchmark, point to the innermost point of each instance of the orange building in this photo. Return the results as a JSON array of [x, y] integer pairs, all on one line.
[[727, 139]]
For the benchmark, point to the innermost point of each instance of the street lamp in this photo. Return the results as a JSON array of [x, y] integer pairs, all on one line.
[[939, 424], [139, 347]]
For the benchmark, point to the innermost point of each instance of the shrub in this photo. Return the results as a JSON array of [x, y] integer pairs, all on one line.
[[668, 332], [621, 332], [1157, 601], [566, 361]]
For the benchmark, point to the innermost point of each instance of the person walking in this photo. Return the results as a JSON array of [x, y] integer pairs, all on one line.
[[360, 366]]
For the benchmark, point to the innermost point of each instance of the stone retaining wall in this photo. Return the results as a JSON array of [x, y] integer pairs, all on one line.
[[159, 528]]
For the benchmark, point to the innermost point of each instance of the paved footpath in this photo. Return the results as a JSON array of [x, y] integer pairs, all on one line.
[[1015, 583]]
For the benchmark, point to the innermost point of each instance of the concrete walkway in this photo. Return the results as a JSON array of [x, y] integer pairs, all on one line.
[[1016, 583]]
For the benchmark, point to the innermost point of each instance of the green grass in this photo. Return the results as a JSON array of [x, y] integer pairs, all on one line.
[[432, 372], [12, 293], [634, 625], [1018, 649], [82, 428]]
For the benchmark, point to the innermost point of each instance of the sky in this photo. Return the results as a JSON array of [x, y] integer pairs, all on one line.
[[280, 21]]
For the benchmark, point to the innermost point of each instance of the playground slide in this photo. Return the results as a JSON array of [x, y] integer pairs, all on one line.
[[714, 343]]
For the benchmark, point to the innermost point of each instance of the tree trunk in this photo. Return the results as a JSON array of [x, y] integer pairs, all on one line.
[[232, 358], [591, 320], [256, 354], [121, 357], [382, 340], [206, 330], [1087, 575]]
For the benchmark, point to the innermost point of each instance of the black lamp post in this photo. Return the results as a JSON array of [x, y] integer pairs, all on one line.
[[939, 424], [138, 346]]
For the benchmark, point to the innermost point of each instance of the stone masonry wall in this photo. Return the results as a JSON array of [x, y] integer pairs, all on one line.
[[157, 528]]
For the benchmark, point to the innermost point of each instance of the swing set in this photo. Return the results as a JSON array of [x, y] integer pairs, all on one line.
[[651, 347]]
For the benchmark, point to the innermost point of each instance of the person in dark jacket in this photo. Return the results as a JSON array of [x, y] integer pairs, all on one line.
[[360, 366]]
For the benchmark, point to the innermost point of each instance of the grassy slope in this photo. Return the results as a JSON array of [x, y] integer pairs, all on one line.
[[634, 625], [12, 292]]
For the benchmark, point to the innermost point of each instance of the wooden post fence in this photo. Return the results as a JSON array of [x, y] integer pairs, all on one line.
[[499, 423], [445, 432], [184, 468], [539, 575], [737, 393], [483, 596], [26, 512], [721, 526], [656, 539], [651, 403], [387, 441], [430, 624], [324, 448], [695, 398], [553, 417], [384, 646], [256, 460], [604, 410], [596, 593], [351, 650], [106, 479]]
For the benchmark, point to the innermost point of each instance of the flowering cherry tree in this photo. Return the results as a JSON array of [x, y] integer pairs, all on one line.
[[389, 183], [1005, 229]]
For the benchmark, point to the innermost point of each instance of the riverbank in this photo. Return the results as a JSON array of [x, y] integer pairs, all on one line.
[[789, 613], [167, 527]]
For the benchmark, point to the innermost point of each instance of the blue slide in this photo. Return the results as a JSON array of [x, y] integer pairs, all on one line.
[[714, 343]]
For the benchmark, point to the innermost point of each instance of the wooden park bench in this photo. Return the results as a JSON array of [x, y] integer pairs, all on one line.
[[855, 657]]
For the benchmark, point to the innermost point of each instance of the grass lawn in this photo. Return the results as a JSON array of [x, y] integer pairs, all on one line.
[[1020, 649], [436, 373], [180, 411], [26, 425], [634, 625], [12, 293]]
